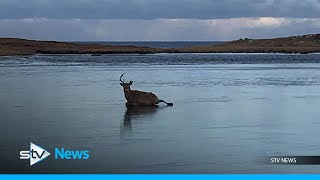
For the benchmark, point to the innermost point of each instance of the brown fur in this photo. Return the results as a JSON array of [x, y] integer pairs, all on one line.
[[140, 98]]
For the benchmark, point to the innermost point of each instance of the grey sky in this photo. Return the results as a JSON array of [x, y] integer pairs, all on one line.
[[155, 9], [157, 19]]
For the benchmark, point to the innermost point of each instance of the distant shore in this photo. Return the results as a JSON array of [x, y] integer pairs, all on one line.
[[295, 44]]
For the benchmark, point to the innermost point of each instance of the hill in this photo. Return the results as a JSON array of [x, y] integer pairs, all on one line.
[[15, 46], [293, 44]]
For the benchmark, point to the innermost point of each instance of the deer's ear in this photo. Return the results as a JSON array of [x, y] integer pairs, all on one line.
[[121, 84], [131, 82]]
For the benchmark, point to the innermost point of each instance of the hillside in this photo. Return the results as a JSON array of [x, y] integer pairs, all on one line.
[[294, 44], [14, 46]]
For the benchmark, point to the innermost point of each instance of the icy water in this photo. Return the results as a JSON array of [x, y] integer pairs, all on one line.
[[230, 111]]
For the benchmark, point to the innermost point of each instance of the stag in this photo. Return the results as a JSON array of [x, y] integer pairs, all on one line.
[[139, 98]]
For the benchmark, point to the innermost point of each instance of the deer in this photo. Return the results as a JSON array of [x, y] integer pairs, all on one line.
[[139, 98]]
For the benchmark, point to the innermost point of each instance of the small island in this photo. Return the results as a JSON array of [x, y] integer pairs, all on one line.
[[294, 44]]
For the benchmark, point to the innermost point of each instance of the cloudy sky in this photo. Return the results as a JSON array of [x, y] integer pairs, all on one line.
[[157, 20]]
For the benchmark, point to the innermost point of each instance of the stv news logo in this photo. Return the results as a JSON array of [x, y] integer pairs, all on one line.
[[36, 154]]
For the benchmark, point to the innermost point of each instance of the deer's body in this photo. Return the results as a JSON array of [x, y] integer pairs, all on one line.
[[139, 98]]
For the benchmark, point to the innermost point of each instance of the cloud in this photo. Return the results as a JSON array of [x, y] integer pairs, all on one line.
[[157, 19], [156, 30], [158, 9]]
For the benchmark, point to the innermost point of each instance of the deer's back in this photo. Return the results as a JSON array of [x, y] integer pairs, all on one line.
[[143, 98]]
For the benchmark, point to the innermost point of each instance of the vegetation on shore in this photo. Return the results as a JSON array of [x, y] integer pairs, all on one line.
[[294, 44], [15, 46]]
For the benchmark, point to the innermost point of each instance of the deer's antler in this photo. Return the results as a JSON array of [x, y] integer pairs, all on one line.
[[121, 77]]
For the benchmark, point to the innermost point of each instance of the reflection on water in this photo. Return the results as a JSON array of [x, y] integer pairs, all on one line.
[[138, 112]]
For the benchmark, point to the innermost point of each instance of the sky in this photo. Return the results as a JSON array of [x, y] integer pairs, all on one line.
[[157, 20]]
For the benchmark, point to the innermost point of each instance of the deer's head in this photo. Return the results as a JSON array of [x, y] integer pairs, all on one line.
[[126, 86]]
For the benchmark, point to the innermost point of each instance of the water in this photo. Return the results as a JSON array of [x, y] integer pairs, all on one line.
[[157, 44], [158, 59], [228, 114]]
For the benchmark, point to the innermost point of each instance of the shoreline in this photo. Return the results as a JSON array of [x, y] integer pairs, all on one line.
[[165, 53], [305, 44]]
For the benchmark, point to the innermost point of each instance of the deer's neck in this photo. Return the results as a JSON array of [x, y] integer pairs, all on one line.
[[127, 95]]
